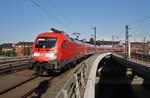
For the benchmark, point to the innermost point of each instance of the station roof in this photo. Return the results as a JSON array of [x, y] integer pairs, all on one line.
[[7, 45], [24, 43], [107, 42]]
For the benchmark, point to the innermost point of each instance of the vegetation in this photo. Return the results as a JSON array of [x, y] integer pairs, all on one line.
[[91, 41], [8, 53], [26, 51], [0, 49]]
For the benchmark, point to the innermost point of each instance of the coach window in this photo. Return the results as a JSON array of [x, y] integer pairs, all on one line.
[[64, 44]]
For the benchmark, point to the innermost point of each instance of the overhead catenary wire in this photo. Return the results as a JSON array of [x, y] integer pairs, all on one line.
[[71, 23], [138, 21], [48, 13]]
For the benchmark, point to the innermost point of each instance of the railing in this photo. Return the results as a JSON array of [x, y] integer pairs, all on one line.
[[72, 89], [140, 69], [90, 87], [138, 58], [141, 58], [13, 59]]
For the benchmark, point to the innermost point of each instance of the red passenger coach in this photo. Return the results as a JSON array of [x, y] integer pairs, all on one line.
[[52, 51]]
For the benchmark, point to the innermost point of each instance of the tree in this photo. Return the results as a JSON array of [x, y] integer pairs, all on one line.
[[14, 53], [26, 51], [91, 41], [0, 49]]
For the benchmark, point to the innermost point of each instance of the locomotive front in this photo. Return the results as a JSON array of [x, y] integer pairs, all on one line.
[[44, 49], [46, 52]]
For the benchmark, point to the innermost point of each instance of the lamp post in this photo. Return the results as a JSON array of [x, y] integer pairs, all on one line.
[[94, 35], [127, 51]]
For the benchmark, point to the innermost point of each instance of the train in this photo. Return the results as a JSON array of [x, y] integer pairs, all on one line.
[[54, 50]]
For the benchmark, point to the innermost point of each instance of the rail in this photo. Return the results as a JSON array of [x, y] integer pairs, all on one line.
[[72, 89]]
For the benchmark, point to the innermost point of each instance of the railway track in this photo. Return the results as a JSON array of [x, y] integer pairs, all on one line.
[[38, 89], [28, 87], [12, 67], [17, 85]]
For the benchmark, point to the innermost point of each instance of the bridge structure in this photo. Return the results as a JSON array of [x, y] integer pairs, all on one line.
[[87, 81]]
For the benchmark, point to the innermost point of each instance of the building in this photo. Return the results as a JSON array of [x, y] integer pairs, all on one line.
[[140, 47], [109, 44], [6, 47], [23, 48], [136, 46]]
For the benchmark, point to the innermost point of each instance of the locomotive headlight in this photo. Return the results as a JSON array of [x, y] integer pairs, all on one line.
[[53, 56], [36, 54]]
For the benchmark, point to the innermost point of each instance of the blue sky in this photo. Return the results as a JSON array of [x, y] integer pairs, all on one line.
[[22, 20]]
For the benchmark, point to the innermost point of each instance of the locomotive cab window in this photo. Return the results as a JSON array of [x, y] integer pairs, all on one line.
[[46, 43], [64, 44]]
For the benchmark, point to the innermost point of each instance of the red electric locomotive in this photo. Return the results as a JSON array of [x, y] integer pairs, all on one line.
[[52, 51]]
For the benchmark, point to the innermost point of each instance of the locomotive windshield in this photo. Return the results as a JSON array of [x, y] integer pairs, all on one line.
[[46, 43]]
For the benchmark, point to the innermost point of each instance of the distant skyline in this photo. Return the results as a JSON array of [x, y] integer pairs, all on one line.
[[23, 20]]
